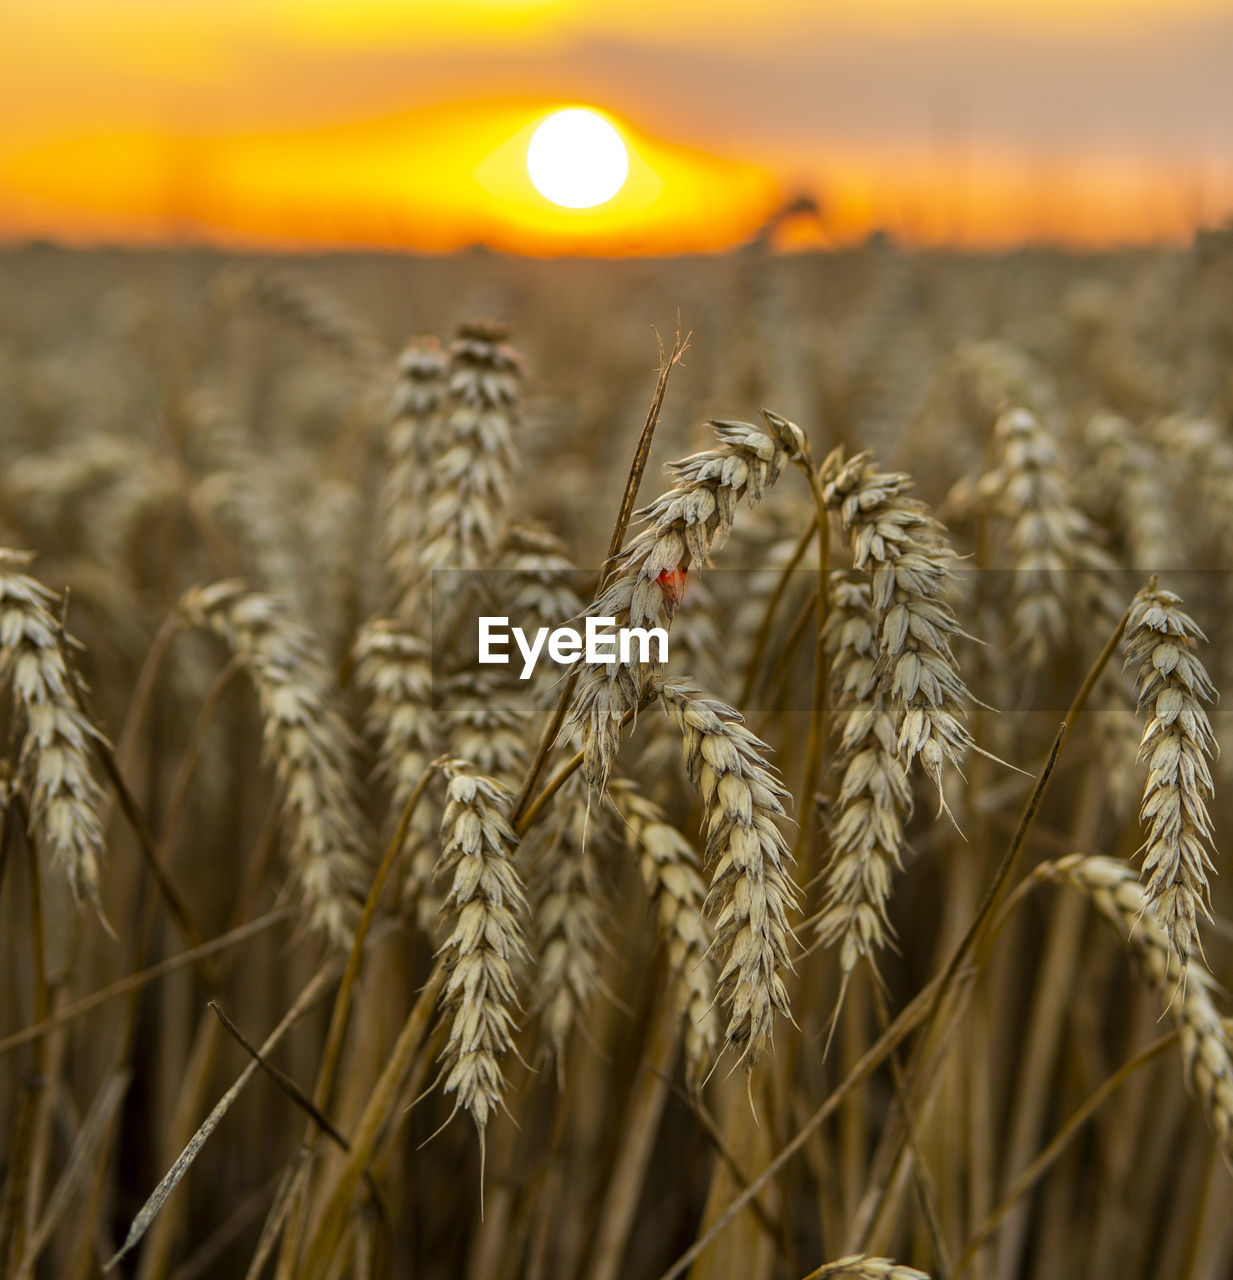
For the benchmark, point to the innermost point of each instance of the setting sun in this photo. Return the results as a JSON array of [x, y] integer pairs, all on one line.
[[577, 159]]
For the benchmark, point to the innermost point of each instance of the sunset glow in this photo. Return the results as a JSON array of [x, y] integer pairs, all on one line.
[[407, 125]]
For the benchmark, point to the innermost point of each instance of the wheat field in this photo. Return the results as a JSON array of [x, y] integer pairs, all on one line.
[[877, 932]]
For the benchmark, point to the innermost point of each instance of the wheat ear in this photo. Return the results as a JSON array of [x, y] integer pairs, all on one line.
[[669, 871], [306, 739], [1129, 488], [567, 892], [752, 892], [1172, 683], [471, 476], [1049, 535], [54, 758], [414, 438], [866, 832], [318, 314], [394, 666], [487, 906], [904, 548]]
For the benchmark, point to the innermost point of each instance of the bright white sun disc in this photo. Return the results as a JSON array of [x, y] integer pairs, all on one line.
[[577, 159]]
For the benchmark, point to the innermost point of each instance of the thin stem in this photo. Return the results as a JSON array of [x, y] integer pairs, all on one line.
[[1028, 1178], [346, 988], [1089, 682], [340, 1017], [911, 1121], [129, 806], [144, 689], [903, 1026], [280, 1078], [136, 981], [319, 1256], [754, 667], [192, 753], [638, 1131]]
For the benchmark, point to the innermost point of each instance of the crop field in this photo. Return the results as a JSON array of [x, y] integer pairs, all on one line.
[[877, 931]]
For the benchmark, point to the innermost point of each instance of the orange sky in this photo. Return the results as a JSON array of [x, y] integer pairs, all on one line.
[[402, 123]]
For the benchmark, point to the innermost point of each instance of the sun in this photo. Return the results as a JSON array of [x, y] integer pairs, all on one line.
[[577, 159]]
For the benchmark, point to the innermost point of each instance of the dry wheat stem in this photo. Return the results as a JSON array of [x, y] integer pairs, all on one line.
[[1161, 645], [754, 667], [1050, 1153], [817, 721], [341, 1012], [633, 482], [172, 1178], [143, 978], [904, 1024]]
